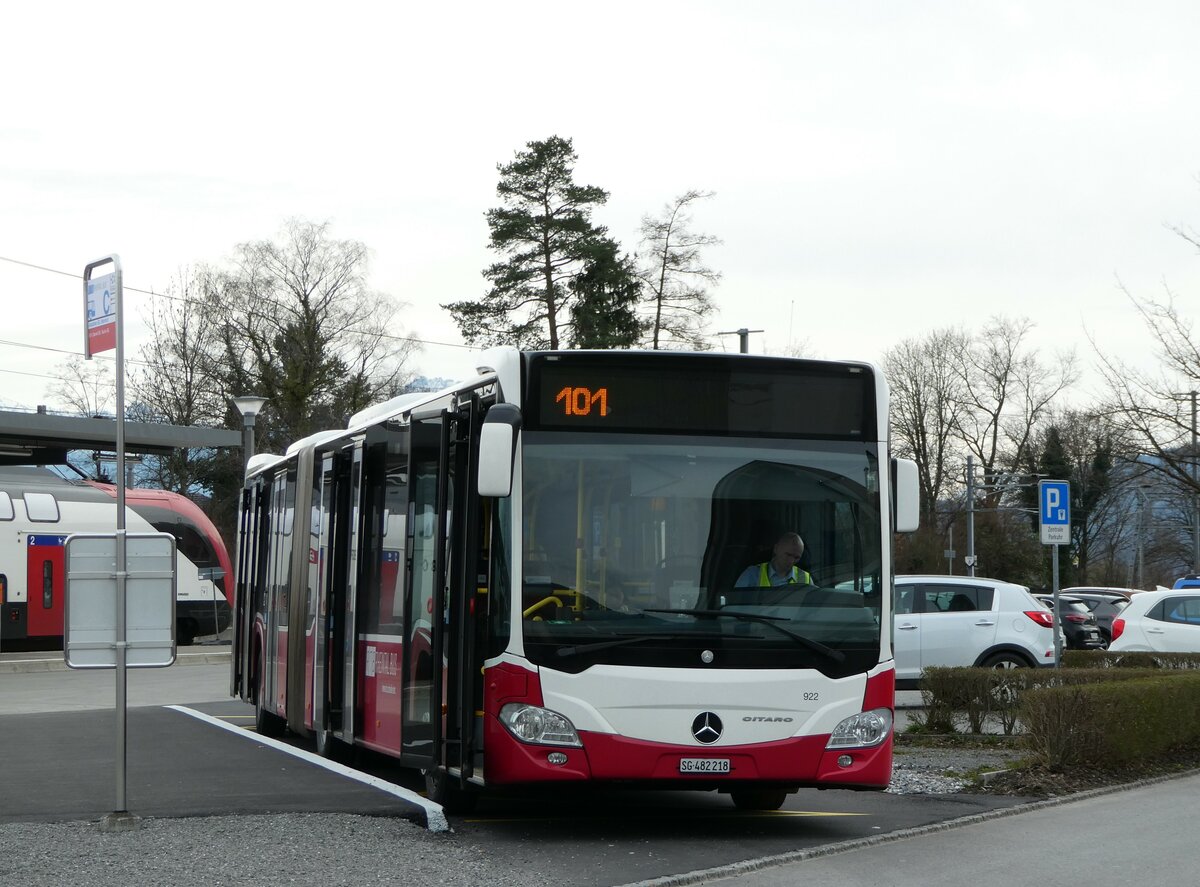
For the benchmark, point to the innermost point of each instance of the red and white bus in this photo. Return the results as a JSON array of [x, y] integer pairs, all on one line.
[[40, 508], [530, 577]]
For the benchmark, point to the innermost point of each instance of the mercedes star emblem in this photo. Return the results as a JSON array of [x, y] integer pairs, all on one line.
[[706, 728]]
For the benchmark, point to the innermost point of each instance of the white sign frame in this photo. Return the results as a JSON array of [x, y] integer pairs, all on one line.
[[90, 608]]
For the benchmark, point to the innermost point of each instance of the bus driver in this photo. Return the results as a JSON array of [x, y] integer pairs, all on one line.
[[781, 569]]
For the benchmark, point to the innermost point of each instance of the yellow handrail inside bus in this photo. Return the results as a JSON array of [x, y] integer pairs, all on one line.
[[544, 602]]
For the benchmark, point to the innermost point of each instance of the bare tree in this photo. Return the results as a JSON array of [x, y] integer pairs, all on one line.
[[675, 278], [926, 403], [1007, 390], [300, 326], [84, 387], [1156, 407], [177, 377]]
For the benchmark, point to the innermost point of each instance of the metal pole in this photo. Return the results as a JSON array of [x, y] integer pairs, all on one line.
[[1141, 537], [970, 515], [1195, 496], [247, 444], [1057, 607], [122, 807]]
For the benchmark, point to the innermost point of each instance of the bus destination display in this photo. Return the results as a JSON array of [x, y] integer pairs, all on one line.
[[699, 394]]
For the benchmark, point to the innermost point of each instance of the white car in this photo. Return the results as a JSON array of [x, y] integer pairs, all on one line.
[[1159, 622], [967, 621]]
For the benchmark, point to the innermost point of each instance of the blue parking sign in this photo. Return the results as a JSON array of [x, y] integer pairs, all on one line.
[[1054, 511]]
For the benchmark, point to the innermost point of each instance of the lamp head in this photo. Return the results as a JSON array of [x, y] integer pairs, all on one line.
[[248, 405]]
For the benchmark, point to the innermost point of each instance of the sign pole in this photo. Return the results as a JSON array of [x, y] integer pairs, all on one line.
[[1058, 637], [104, 306], [1054, 525]]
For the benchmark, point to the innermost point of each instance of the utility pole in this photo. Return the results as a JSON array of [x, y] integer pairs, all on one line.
[[969, 560], [1195, 496], [743, 335]]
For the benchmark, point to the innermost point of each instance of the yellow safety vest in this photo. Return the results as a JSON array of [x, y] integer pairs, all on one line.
[[797, 577]]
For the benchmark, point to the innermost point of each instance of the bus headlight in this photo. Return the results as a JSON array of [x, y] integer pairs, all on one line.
[[529, 723], [862, 730]]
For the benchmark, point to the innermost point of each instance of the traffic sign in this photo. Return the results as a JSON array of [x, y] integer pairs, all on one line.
[[1054, 512]]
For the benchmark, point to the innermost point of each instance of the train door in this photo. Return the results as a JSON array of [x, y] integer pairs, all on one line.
[[441, 683], [44, 582]]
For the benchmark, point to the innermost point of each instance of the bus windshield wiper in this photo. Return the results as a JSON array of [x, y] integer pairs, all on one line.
[[835, 655], [605, 645]]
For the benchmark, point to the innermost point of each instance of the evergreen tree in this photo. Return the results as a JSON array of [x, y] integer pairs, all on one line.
[[544, 230], [604, 313]]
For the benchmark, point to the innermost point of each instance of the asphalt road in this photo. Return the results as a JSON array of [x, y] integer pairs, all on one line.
[[59, 728]]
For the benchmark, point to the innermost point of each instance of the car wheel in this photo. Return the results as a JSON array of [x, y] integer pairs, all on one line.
[[758, 798], [1006, 661]]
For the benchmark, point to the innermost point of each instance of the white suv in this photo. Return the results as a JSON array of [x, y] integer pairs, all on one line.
[[965, 620], [1159, 622]]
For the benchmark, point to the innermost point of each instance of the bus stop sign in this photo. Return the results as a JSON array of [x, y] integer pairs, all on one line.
[[1054, 512]]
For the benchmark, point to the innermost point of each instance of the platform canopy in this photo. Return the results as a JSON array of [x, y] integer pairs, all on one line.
[[43, 439]]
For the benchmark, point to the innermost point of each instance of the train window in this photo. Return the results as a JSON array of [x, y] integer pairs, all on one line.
[[6, 506], [41, 507], [47, 585]]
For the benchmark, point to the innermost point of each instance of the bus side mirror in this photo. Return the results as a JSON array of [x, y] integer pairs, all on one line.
[[498, 449], [906, 496]]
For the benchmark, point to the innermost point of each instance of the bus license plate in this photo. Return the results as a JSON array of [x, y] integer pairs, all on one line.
[[704, 765]]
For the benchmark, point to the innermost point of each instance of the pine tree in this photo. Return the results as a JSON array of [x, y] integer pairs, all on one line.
[[545, 231]]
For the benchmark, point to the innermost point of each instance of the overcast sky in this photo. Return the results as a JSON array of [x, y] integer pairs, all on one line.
[[880, 168]]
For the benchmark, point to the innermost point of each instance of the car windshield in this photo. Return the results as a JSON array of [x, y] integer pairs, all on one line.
[[636, 550]]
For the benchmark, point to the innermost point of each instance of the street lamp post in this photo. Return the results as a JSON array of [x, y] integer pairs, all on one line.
[[249, 407]]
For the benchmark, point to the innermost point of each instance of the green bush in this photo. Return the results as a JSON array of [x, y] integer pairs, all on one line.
[[1111, 724], [975, 698], [1105, 659]]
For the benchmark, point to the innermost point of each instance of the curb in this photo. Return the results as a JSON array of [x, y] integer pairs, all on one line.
[[57, 663]]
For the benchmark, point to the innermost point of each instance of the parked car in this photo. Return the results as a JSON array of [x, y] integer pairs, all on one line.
[[969, 621], [1081, 631], [1105, 603], [1159, 622]]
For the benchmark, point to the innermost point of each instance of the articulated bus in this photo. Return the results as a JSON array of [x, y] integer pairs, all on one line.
[[39, 509], [531, 578]]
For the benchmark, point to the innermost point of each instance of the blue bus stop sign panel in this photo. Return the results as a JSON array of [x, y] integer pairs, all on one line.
[[1054, 511]]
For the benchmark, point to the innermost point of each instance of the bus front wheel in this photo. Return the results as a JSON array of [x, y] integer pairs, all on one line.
[[758, 798]]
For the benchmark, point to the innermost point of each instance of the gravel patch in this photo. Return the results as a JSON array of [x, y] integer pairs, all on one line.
[[248, 851], [938, 771]]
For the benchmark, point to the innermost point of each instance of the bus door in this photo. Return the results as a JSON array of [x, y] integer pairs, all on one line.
[[341, 494], [247, 544], [323, 511], [442, 683]]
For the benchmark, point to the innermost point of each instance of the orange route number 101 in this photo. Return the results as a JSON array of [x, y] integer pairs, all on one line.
[[581, 401]]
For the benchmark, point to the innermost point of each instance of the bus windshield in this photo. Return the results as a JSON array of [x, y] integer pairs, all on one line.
[[647, 550]]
